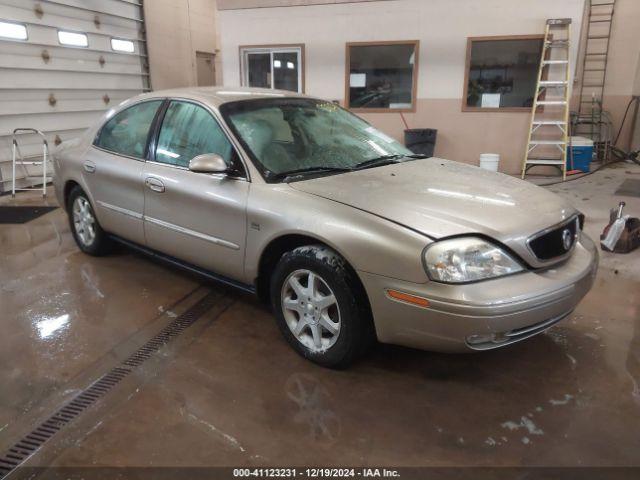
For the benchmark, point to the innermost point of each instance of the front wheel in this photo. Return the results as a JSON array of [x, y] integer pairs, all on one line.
[[84, 225], [318, 307]]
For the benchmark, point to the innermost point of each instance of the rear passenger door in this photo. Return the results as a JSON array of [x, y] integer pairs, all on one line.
[[113, 170], [197, 217]]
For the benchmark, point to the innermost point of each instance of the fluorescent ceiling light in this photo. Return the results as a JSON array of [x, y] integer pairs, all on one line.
[[290, 65], [277, 63], [13, 30], [122, 45], [72, 38]]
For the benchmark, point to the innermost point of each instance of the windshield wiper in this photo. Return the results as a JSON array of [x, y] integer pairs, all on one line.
[[373, 162], [386, 160], [308, 170], [378, 161]]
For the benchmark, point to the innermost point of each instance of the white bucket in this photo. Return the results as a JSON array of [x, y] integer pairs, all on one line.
[[489, 161]]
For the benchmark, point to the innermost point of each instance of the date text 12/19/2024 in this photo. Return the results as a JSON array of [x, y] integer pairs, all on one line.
[[315, 473]]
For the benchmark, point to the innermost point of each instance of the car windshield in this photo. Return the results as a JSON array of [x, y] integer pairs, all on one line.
[[287, 136]]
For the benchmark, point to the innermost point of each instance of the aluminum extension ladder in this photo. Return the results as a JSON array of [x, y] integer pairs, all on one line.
[[17, 158], [549, 129], [592, 120]]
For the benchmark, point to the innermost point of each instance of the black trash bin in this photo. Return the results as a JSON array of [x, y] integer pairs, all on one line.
[[421, 140]]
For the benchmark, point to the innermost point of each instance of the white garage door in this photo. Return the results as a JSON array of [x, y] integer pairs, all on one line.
[[62, 63]]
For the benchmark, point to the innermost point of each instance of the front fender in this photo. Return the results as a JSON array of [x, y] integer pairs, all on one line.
[[369, 243]]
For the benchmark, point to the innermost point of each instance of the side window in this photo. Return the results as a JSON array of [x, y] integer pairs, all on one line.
[[188, 130], [127, 132]]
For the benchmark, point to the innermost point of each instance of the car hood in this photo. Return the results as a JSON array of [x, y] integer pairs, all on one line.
[[441, 198]]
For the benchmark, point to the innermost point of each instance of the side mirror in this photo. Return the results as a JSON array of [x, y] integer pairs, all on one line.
[[208, 163]]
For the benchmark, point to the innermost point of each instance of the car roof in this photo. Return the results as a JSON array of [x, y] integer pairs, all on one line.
[[216, 96]]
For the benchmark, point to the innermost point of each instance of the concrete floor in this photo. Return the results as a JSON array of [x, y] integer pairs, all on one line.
[[230, 392]]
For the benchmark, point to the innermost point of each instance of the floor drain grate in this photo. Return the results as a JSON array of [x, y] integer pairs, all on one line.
[[31, 442]]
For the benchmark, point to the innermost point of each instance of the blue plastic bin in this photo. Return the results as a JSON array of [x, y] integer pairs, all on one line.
[[582, 154]]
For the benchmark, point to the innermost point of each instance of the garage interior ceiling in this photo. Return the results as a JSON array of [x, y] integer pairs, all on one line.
[[79, 83]]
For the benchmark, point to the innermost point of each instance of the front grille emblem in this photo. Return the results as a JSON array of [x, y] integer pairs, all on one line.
[[567, 239]]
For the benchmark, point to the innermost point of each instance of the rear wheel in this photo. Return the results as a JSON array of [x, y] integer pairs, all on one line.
[[84, 225], [318, 308]]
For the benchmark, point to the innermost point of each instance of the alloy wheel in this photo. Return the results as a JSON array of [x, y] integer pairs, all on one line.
[[83, 221], [311, 310]]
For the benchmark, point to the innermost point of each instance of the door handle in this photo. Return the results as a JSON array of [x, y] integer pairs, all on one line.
[[154, 184], [89, 167]]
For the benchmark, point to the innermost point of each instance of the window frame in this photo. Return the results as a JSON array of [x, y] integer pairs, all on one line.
[[299, 48], [467, 67], [414, 80], [152, 128], [152, 142]]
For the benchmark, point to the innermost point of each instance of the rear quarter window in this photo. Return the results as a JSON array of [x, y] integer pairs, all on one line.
[[127, 132]]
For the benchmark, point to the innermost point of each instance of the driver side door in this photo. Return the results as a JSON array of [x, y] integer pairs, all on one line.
[[199, 218]]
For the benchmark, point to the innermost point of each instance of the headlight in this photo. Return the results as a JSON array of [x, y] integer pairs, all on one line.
[[467, 259]]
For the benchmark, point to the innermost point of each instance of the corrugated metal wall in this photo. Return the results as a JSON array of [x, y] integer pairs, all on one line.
[[62, 89]]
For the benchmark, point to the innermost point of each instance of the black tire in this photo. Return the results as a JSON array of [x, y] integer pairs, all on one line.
[[356, 331], [101, 243]]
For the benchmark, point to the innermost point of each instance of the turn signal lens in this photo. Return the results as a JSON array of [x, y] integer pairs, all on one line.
[[405, 297]]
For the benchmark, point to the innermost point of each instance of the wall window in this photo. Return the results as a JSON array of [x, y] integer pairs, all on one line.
[[382, 76], [501, 72], [74, 39], [278, 67], [127, 132], [13, 30], [188, 130], [120, 45]]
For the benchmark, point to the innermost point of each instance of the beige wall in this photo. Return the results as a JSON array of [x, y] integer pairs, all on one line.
[[442, 26], [238, 4], [624, 62], [636, 85], [176, 29], [635, 135]]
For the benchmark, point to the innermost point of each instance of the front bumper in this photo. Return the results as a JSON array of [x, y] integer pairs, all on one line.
[[515, 307]]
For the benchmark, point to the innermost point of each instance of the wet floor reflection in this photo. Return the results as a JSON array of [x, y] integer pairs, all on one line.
[[236, 394], [314, 409], [61, 310], [633, 363], [47, 326]]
